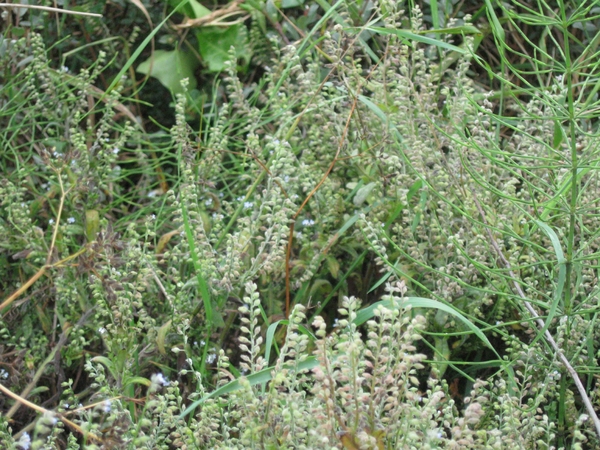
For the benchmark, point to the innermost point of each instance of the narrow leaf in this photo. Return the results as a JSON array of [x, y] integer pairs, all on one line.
[[417, 302], [410, 36], [562, 276]]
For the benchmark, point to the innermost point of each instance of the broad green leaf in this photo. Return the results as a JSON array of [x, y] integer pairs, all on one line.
[[193, 9], [138, 51], [199, 9], [170, 67], [214, 44], [363, 193]]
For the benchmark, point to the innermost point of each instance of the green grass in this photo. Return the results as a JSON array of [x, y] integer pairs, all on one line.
[[380, 236]]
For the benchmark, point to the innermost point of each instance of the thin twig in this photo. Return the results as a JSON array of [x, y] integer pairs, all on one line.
[[61, 205], [61, 342], [37, 275], [336, 158], [21, 400], [215, 18], [540, 322], [43, 410], [49, 9]]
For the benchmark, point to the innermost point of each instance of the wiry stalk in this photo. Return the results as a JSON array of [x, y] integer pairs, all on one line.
[[540, 322]]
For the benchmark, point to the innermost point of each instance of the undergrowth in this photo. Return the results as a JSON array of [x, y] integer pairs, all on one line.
[[199, 288]]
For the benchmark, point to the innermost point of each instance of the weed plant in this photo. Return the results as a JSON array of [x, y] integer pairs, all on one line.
[[200, 289]]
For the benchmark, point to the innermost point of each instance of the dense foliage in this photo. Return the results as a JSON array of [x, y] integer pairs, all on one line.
[[350, 225]]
